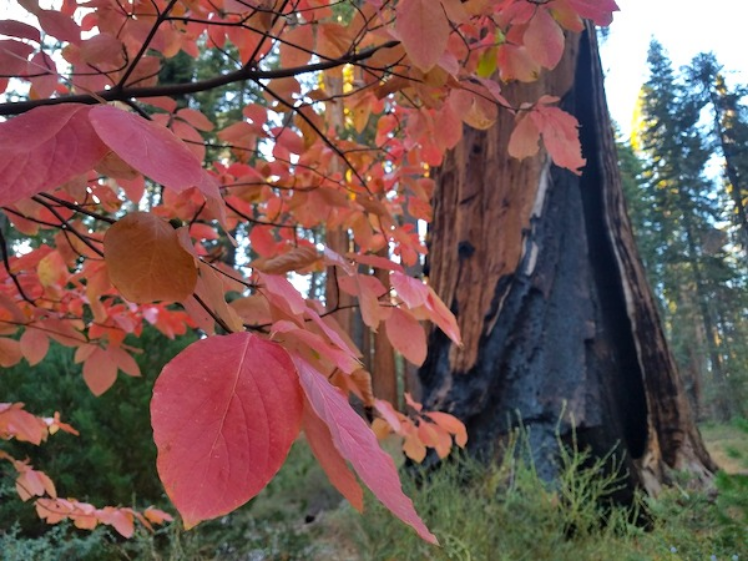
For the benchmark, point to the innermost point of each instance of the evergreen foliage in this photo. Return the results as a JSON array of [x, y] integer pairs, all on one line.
[[688, 224]]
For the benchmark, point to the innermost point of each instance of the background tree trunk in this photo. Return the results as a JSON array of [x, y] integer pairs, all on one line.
[[559, 324]]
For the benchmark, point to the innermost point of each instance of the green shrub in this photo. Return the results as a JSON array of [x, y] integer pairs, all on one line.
[[506, 512], [113, 460]]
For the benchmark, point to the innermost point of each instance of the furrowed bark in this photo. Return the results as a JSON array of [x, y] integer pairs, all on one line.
[[559, 324]]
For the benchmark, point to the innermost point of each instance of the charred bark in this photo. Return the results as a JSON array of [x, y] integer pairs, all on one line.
[[559, 324]]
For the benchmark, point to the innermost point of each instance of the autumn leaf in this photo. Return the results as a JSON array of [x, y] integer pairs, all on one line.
[[21, 425], [225, 412], [145, 260], [544, 39], [356, 443], [423, 28], [320, 441], [523, 143], [558, 130], [294, 260], [58, 144], [148, 147], [15, 28], [406, 335], [599, 11]]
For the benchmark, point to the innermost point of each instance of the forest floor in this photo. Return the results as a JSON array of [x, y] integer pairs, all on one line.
[[501, 513], [728, 446], [506, 514]]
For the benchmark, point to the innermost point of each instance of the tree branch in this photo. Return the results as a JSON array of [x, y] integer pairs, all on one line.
[[241, 75]]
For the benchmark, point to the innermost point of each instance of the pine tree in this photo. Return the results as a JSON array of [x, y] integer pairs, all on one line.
[[687, 261]]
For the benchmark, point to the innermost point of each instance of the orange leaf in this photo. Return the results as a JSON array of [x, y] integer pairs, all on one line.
[[301, 36], [99, 371], [34, 345], [145, 260], [452, 425], [21, 425], [293, 260], [157, 516], [10, 352]]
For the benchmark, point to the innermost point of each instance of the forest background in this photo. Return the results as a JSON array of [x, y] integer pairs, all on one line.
[[692, 240]]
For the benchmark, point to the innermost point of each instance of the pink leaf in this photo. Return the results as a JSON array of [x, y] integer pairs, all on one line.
[[60, 137], [560, 136], [148, 147], [43, 74], [225, 412], [357, 444], [441, 316], [423, 28], [320, 441], [13, 56], [412, 291], [59, 26], [19, 29], [524, 140], [599, 11], [544, 39], [406, 335], [282, 293]]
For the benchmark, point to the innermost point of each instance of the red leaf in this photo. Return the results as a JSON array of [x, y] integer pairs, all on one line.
[[148, 147], [225, 412], [423, 28], [320, 441], [196, 119], [60, 136], [356, 442], [282, 293], [406, 335]]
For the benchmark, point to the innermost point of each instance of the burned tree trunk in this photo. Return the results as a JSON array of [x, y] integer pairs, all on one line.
[[559, 324]]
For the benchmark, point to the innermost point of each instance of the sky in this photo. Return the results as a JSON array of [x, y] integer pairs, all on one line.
[[685, 28]]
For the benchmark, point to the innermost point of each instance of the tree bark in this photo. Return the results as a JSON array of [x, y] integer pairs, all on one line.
[[560, 327]]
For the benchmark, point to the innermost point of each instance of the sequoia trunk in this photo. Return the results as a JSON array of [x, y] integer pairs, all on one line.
[[559, 324]]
